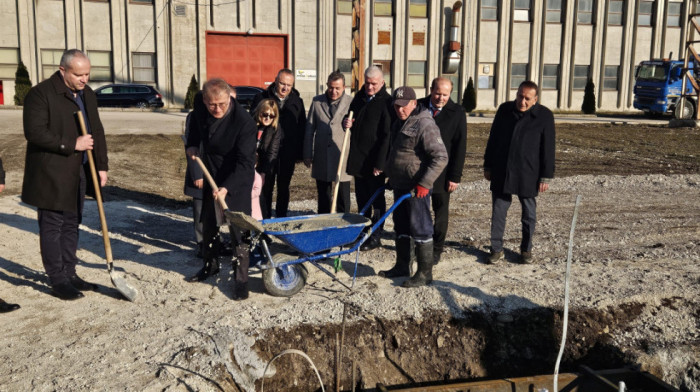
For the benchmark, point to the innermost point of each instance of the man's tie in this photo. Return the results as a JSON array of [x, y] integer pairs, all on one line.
[[435, 112]]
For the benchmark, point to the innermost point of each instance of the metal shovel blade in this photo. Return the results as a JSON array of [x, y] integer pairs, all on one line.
[[122, 286]]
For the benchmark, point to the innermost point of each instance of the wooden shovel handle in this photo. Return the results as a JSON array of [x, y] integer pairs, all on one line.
[[98, 196], [211, 182], [340, 165]]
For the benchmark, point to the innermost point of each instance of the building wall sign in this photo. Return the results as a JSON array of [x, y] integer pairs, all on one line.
[[383, 37], [305, 74]]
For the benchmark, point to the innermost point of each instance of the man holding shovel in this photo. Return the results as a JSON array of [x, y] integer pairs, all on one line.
[[323, 144], [54, 173], [227, 135]]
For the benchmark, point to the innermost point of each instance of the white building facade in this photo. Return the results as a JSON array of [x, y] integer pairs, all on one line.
[[557, 43]]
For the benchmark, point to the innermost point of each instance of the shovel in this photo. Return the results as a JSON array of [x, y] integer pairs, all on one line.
[[340, 166], [118, 280], [220, 218]]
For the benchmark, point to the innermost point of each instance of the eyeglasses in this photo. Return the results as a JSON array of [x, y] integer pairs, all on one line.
[[267, 115], [213, 106]]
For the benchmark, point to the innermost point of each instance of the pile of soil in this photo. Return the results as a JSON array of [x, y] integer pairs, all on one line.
[[635, 280]]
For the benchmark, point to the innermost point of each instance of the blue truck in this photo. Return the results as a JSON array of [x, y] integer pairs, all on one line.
[[657, 89]]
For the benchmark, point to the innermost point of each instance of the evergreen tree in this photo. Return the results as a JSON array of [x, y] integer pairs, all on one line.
[[469, 98], [22, 84], [192, 90], [588, 105]]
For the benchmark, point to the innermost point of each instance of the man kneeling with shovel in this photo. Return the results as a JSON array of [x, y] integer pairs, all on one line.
[[227, 135]]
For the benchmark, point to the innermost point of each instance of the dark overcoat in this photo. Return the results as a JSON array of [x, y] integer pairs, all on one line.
[[453, 129], [519, 153], [229, 154], [193, 172], [370, 133], [292, 122], [52, 166], [2, 173]]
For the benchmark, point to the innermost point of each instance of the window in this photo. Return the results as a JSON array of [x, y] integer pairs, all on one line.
[[50, 60], [486, 76], [554, 11], [418, 8], [344, 7], [9, 60], [615, 12], [610, 77], [383, 8], [580, 76], [142, 1], [489, 9], [144, 67], [646, 13], [416, 74], [521, 10], [585, 12], [344, 66], [674, 14], [518, 74], [550, 76], [385, 66], [100, 66]]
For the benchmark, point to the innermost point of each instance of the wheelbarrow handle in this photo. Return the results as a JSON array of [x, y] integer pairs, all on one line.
[[371, 199], [212, 183]]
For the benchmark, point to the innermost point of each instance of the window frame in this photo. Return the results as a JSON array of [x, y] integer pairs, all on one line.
[[338, 7], [134, 68], [621, 13], [56, 65], [391, 5], [521, 77], [518, 19], [483, 7], [640, 15], [11, 68], [411, 8], [552, 11], [101, 67], [411, 77], [579, 78], [607, 79], [546, 77], [590, 12], [679, 15]]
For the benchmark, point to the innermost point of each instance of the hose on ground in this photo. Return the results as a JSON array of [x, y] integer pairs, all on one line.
[[291, 351]]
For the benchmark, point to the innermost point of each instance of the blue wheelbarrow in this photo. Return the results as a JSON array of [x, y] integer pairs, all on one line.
[[307, 238]]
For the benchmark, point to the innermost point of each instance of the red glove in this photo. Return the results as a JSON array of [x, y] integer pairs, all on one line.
[[421, 192]]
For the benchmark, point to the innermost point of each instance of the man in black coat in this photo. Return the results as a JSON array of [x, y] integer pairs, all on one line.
[[227, 135], [292, 123], [452, 121], [4, 306], [54, 172], [369, 145], [519, 160]]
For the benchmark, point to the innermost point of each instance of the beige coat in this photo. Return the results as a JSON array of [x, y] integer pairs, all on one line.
[[324, 138]]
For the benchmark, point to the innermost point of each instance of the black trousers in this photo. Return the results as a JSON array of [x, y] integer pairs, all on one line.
[[364, 189], [197, 216], [282, 172], [211, 246], [412, 218], [501, 204], [325, 190], [58, 238], [441, 208]]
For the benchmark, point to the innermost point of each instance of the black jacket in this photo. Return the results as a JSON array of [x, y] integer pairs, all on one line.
[[193, 172], [2, 173], [52, 166], [292, 123], [520, 153], [229, 154], [453, 129], [369, 137], [268, 149]]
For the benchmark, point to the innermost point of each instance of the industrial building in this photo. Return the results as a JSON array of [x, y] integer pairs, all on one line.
[[498, 43]]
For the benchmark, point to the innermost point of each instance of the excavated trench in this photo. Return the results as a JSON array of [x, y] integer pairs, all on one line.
[[439, 347]]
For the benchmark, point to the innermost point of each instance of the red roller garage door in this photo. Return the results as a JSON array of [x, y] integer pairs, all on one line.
[[245, 60]]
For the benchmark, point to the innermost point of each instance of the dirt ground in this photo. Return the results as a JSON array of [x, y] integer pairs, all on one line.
[[634, 302]]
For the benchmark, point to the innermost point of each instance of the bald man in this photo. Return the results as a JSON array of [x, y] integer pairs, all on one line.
[[452, 121]]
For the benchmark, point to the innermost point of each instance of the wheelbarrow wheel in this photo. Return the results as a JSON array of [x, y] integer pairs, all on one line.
[[285, 281]]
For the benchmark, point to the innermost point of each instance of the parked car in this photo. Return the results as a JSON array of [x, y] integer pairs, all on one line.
[[245, 95], [139, 95]]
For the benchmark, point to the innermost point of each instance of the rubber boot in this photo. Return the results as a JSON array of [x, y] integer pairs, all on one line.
[[424, 276], [211, 267], [437, 253], [403, 258]]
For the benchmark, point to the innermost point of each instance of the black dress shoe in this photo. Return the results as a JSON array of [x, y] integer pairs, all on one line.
[[240, 292], [372, 242], [66, 291], [5, 307], [82, 285], [210, 268]]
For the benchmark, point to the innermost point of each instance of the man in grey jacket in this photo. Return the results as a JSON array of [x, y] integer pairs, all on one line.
[[323, 142], [417, 156]]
